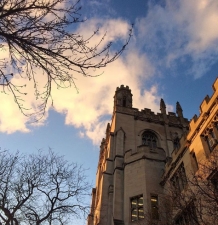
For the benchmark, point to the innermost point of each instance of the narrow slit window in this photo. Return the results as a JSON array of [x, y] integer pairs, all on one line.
[[154, 207]]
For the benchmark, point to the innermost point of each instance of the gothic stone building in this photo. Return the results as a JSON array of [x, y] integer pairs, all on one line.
[[141, 151]]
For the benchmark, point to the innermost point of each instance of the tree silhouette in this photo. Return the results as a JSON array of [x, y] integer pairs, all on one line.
[[196, 204], [40, 189], [38, 34]]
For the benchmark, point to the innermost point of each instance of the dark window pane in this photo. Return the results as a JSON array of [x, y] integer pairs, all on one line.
[[179, 179], [149, 139], [154, 144]]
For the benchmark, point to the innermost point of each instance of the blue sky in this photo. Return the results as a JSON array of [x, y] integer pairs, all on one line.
[[173, 55]]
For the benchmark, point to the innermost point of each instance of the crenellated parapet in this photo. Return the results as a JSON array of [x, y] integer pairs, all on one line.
[[143, 149], [147, 115], [201, 125], [123, 104], [206, 110]]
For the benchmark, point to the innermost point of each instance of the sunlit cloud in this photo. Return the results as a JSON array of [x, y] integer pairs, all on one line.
[[179, 32], [11, 119], [91, 108], [95, 100]]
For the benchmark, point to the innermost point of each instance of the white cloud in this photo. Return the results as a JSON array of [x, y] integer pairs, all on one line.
[[202, 23], [11, 119], [181, 29], [96, 95], [92, 107], [167, 34]]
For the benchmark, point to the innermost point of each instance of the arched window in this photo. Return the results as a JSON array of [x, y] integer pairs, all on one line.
[[149, 139]]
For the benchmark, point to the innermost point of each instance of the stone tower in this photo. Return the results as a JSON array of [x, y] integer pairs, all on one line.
[[132, 159], [123, 97]]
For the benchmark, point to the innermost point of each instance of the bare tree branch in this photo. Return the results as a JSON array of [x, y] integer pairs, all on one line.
[[40, 189], [38, 34]]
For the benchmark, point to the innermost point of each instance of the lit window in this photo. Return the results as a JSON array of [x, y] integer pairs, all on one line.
[[149, 139], [154, 207], [137, 211]]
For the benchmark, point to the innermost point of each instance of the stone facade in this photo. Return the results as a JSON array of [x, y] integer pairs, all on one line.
[[141, 152]]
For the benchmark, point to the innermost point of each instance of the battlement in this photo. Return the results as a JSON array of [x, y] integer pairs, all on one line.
[[123, 104], [205, 109], [147, 115], [122, 87], [123, 97]]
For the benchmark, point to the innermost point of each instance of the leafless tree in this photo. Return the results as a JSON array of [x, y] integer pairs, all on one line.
[[41, 34], [204, 189], [40, 189], [196, 204]]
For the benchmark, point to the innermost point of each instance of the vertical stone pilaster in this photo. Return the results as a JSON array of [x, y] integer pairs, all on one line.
[[167, 135], [120, 135], [110, 204], [118, 177], [118, 195]]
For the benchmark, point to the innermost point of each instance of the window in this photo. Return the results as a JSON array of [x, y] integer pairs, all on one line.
[[211, 142], [124, 101], [214, 181], [194, 161], [179, 179], [137, 211], [176, 143], [149, 139], [210, 138], [118, 102], [154, 207]]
